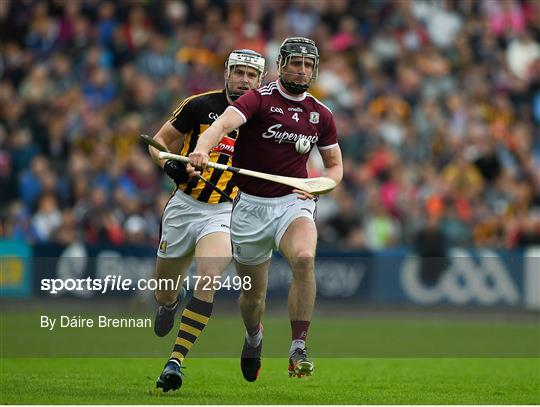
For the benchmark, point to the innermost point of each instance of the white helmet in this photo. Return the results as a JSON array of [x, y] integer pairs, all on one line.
[[245, 57]]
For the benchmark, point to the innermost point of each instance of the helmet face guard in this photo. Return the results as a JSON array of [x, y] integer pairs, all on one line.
[[298, 47], [243, 57]]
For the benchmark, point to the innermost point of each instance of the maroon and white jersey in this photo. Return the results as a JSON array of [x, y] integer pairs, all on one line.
[[273, 122]]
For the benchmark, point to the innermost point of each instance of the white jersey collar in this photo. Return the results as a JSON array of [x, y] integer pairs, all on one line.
[[298, 98]]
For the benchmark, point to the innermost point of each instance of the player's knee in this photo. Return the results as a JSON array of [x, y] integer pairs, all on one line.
[[252, 299], [304, 261], [212, 267]]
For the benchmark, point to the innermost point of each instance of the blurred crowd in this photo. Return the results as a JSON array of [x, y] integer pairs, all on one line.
[[437, 105]]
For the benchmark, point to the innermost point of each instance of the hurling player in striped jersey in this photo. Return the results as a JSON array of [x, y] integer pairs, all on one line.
[[196, 219]]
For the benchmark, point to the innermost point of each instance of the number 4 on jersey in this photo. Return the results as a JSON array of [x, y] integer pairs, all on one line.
[[295, 117]]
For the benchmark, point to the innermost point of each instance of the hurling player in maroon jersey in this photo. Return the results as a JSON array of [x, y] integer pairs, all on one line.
[[196, 218], [267, 215]]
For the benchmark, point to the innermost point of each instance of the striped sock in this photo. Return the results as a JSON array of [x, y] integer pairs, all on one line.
[[194, 318]]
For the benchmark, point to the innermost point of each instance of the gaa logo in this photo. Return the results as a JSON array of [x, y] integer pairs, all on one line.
[[464, 281]]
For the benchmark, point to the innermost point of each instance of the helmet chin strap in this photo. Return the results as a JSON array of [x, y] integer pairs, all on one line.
[[294, 88]]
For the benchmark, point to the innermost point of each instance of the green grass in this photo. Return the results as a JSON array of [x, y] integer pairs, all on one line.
[[357, 337], [358, 361], [219, 381]]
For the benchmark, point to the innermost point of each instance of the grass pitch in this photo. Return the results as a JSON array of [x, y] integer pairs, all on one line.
[[219, 381], [357, 361]]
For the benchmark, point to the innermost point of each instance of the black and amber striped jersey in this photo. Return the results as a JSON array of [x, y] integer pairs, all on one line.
[[194, 115]]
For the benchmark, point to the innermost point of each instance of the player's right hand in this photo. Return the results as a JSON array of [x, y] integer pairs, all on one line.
[[177, 171], [199, 159], [303, 195]]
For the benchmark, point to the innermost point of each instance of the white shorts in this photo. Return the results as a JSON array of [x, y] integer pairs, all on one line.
[[258, 224], [185, 221]]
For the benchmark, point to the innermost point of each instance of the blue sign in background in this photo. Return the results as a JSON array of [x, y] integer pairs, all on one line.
[[469, 277], [80, 261]]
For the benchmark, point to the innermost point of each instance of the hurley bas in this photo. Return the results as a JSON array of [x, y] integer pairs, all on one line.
[[100, 321]]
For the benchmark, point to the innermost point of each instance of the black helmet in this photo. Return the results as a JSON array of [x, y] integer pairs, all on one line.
[[298, 47]]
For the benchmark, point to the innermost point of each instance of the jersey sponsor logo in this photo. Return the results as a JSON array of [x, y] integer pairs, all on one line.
[[213, 115], [163, 246], [314, 117], [275, 109], [285, 136], [225, 146], [295, 109]]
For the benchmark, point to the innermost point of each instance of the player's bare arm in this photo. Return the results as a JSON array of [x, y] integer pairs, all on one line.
[[170, 138], [333, 163], [334, 169], [224, 124]]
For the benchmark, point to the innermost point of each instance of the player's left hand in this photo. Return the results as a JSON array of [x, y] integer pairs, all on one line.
[[176, 170], [191, 171], [303, 195]]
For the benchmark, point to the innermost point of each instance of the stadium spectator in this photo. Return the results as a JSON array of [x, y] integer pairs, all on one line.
[[47, 217], [467, 73]]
